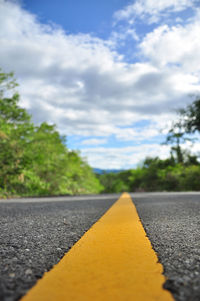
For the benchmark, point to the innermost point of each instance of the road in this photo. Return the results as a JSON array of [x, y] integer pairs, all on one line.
[[172, 223], [35, 234]]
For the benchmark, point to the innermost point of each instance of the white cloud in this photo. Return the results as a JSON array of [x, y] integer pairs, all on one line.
[[80, 83], [178, 45], [151, 11], [131, 156], [94, 141], [119, 37], [125, 157]]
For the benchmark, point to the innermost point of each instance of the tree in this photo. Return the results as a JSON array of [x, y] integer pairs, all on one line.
[[34, 160], [175, 139], [188, 123], [15, 131], [190, 117]]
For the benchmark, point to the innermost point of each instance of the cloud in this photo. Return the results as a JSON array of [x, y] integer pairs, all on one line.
[[81, 83], [177, 46], [131, 156], [119, 38], [125, 157], [151, 11], [94, 141]]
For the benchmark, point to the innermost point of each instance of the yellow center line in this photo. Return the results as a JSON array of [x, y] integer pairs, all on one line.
[[114, 260]]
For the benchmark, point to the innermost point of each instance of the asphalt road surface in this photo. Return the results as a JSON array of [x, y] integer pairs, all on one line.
[[36, 233], [172, 223]]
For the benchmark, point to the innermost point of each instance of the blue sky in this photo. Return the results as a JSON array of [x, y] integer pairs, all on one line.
[[109, 74], [77, 16]]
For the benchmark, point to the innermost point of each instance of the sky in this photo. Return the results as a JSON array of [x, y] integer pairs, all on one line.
[[110, 74]]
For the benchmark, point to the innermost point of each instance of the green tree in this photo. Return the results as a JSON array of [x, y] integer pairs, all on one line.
[[190, 117], [15, 132], [47, 159], [188, 123], [34, 160], [175, 139]]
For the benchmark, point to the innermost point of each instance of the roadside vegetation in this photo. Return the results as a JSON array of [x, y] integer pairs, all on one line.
[[35, 161], [179, 172]]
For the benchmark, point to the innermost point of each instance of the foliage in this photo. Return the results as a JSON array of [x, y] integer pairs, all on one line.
[[190, 117], [155, 175], [34, 160], [115, 182]]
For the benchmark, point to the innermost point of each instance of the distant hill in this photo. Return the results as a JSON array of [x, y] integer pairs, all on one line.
[[102, 171]]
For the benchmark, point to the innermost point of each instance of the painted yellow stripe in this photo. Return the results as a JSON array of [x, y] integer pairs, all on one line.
[[114, 260]]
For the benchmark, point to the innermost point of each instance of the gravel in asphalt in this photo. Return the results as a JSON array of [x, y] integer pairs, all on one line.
[[172, 222], [35, 236]]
